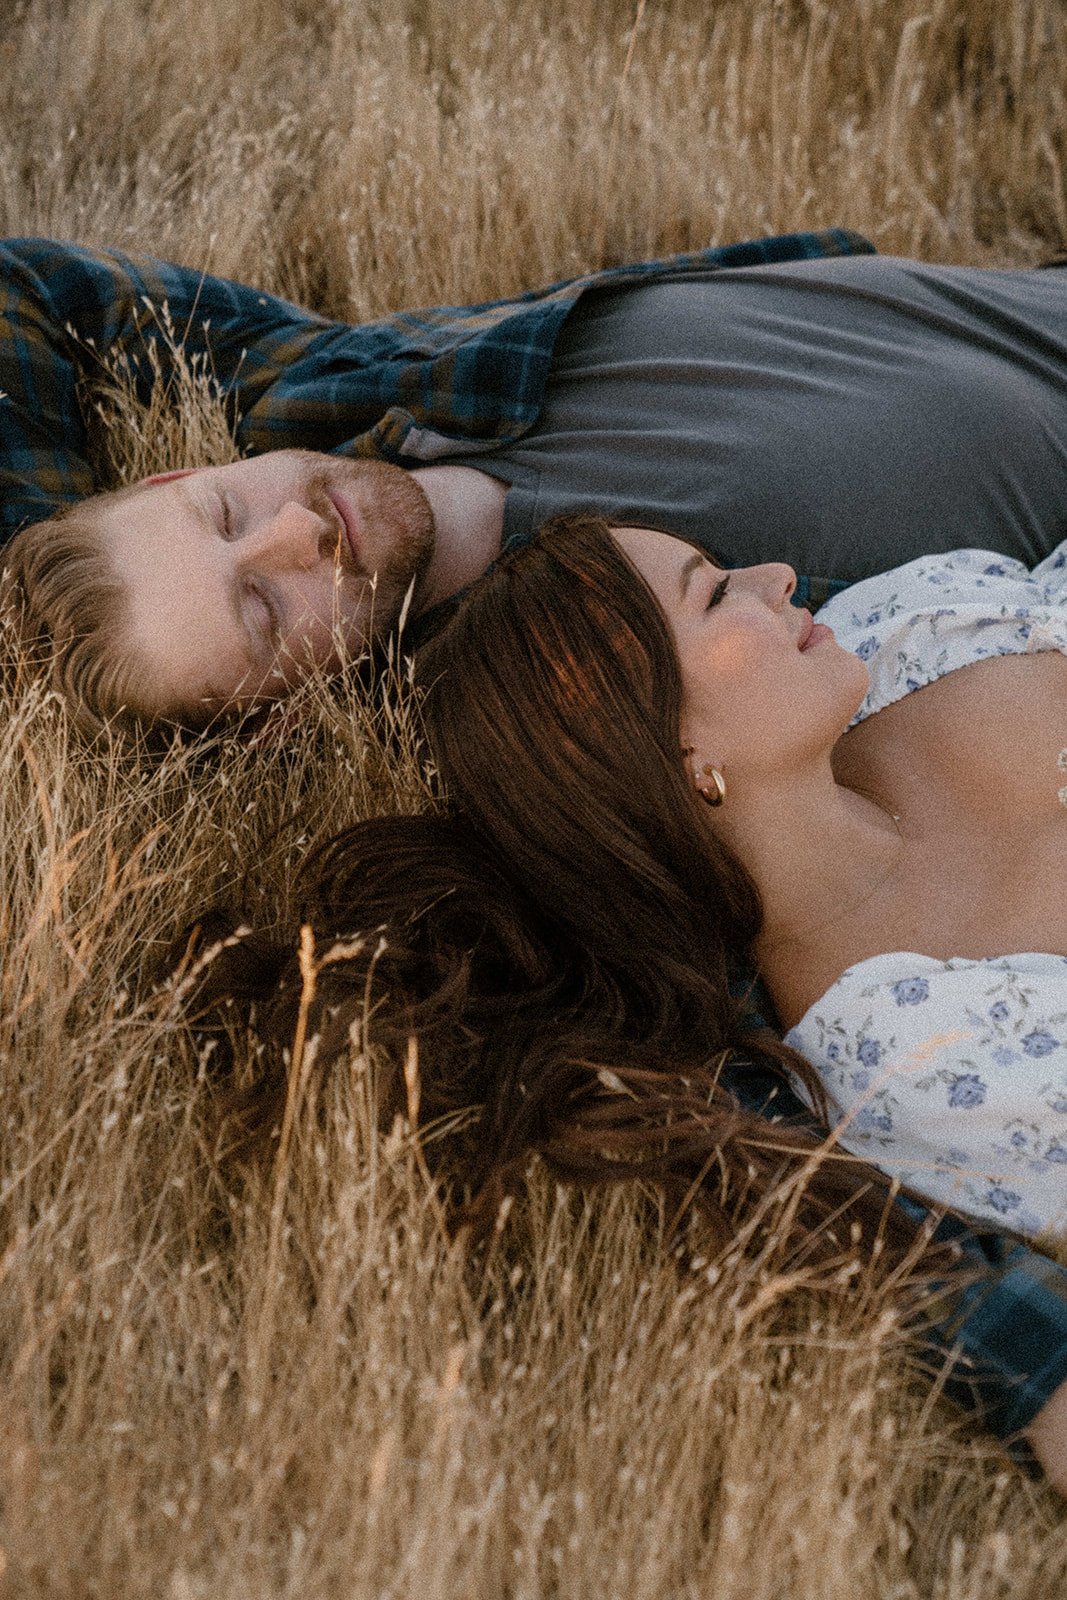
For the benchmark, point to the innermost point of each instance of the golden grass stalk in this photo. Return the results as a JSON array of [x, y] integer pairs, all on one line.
[[299, 1387]]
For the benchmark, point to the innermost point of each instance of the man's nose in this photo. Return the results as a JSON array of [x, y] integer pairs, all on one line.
[[294, 538]]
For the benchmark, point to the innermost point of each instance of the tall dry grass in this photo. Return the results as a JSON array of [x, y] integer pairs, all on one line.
[[297, 1388]]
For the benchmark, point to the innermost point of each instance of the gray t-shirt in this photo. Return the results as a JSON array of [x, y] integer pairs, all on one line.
[[843, 415]]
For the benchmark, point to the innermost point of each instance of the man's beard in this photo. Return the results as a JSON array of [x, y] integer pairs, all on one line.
[[396, 517]]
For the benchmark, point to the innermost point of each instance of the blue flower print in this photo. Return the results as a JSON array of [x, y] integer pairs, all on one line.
[[1004, 1057], [1018, 1139], [1039, 1043], [966, 1091], [873, 617], [1056, 1152], [1001, 1199], [866, 648], [833, 1051], [995, 570], [860, 1081], [998, 1012], [869, 1052], [1060, 1105], [869, 1120], [911, 991]]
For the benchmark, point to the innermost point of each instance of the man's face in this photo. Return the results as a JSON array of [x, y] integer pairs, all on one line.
[[240, 579]]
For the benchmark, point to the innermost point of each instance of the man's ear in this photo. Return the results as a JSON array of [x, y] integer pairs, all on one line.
[[166, 477]]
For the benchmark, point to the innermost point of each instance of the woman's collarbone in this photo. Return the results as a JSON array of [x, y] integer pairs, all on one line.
[[956, 895]]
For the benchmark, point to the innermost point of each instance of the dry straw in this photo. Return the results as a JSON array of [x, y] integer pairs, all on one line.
[[299, 1389]]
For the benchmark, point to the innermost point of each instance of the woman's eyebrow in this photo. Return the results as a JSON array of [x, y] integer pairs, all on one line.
[[696, 560]]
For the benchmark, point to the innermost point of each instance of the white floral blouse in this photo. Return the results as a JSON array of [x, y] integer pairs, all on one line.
[[951, 1075]]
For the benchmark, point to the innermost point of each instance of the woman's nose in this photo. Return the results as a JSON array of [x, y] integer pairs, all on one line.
[[780, 582], [773, 581], [293, 538]]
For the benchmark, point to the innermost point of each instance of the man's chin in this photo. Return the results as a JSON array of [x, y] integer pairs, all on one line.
[[410, 557]]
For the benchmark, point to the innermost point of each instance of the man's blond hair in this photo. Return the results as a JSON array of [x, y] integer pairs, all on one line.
[[70, 611]]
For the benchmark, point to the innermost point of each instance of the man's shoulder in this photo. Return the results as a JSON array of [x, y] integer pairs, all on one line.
[[436, 323]]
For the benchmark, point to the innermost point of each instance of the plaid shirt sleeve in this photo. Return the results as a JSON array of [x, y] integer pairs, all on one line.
[[414, 387], [1002, 1329], [64, 310], [997, 1331]]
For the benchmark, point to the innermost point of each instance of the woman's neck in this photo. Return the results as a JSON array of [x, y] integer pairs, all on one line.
[[819, 853]]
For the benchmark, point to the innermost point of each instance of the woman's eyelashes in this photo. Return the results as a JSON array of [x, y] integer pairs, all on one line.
[[718, 592]]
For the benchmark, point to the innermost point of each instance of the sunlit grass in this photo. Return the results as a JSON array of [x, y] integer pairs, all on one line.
[[299, 1386]]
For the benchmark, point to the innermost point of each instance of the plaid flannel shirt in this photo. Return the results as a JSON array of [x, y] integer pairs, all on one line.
[[411, 389]]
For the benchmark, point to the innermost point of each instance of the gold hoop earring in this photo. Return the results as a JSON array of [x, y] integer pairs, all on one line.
[[715, 794]]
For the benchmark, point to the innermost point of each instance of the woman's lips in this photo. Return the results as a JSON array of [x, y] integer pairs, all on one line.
[[816, 634]]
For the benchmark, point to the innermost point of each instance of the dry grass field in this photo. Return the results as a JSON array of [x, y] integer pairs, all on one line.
[[296, 1388]]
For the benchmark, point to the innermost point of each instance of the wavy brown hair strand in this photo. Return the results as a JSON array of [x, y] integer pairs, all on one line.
[[562, 744], [562, 941]]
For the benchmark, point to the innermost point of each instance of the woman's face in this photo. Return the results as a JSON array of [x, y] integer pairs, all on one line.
[[762, 687]]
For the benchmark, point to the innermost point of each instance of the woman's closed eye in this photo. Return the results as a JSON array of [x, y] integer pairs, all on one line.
[[718, 592]]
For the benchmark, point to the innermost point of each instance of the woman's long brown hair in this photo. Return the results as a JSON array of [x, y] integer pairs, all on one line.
[[562, 940]]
